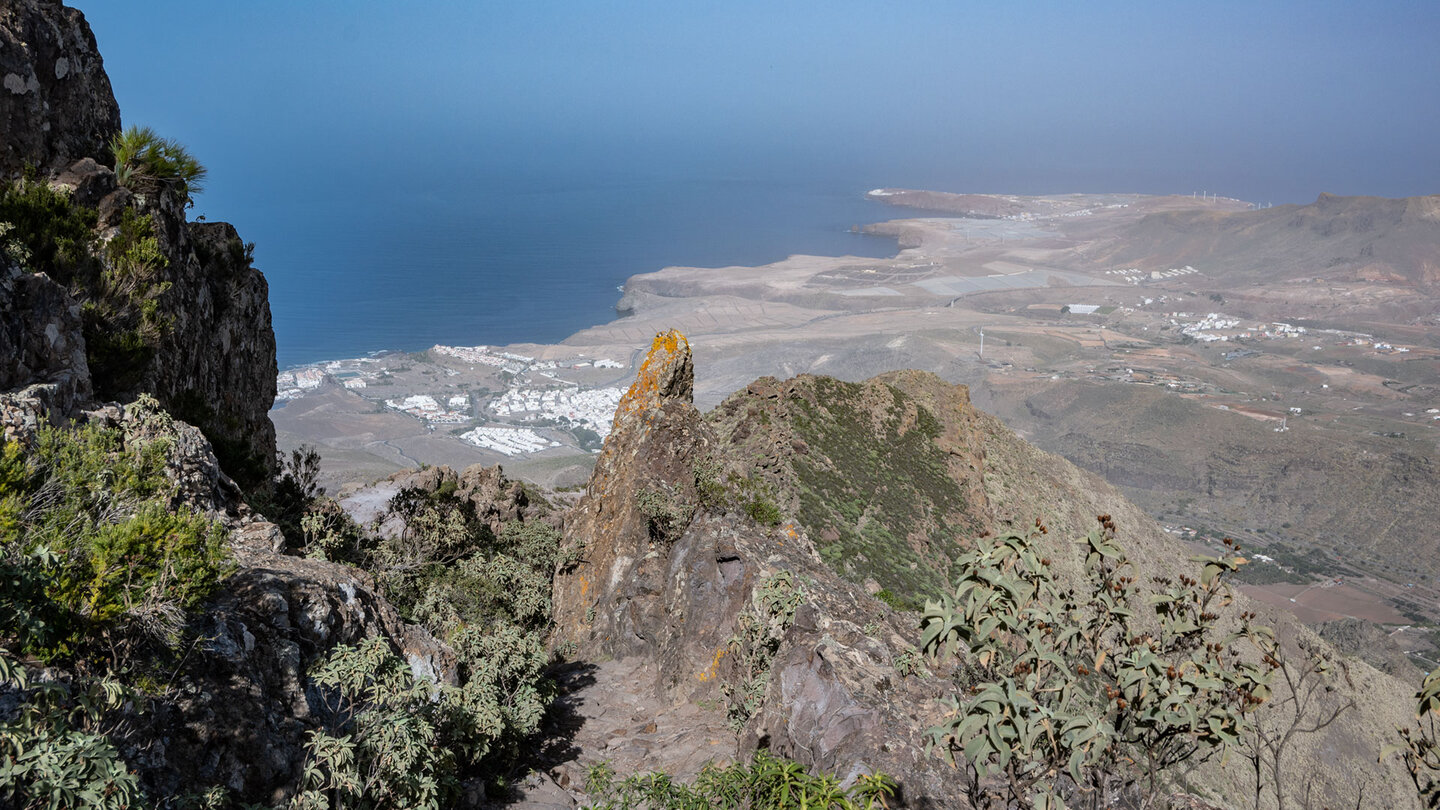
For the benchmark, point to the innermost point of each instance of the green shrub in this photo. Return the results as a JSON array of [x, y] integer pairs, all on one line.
[[710, 489], [91, 553], [773, 603], [52, 752], [394, 741], [381, 749], [897, 601], [1076, 685], [146, 162], [667, 514], [763, 512], [44, 232], [487, 595], [767, 782], [121, 310]]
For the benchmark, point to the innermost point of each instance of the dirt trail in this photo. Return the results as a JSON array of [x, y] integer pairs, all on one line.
[[608, 712]]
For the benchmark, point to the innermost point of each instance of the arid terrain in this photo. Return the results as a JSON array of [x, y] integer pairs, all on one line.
[[1267, 374]]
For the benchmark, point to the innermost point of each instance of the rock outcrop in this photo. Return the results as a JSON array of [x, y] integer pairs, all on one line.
[[215, 364], [56, 105], [666, 576], [212, 362], [239, 706], [693, 603]]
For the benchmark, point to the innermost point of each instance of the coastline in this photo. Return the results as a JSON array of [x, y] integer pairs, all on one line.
[[846, 316]]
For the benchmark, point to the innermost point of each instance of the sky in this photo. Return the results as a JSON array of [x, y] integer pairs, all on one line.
[[1265, 101]]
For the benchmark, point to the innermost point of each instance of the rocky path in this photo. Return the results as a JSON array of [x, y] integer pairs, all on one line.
[[608, 712]]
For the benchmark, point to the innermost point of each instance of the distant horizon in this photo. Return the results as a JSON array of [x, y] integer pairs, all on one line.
[[321, 121]]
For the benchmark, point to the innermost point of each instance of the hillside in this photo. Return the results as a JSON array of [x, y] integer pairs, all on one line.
[[1344, 239], [687, 522]]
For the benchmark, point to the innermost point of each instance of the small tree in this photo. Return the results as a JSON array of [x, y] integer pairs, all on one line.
[[1079, 697], [144, 161]]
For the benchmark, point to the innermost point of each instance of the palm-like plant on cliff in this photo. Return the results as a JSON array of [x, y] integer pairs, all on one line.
[[146, 162]]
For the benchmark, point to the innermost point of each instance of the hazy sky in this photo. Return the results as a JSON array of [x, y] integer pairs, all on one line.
[[1263, 101]]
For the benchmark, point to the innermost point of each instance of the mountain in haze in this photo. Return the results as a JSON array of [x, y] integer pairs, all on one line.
[[1352, 239]]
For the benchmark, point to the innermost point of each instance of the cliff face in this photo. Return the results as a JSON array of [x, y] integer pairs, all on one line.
[[209, 352], [215, 364], [56, 105]]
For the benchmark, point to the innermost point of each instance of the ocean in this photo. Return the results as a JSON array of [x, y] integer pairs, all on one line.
[[505, 261]]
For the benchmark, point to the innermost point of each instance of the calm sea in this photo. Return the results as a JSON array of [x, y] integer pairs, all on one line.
[[495, 263]]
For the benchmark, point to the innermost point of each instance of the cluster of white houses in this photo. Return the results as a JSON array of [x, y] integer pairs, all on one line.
[[424, 406], [509, 441], [592, 408]]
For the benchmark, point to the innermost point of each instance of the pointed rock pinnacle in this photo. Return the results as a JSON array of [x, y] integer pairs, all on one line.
[[667, 374]]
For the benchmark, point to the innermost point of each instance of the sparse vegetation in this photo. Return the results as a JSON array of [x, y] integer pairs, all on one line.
[[872, 477], [1301, 707], [766, 782], [1080, 699], [1419, 747], [667, 514], [772, 611], [92, 558], [146, 162]]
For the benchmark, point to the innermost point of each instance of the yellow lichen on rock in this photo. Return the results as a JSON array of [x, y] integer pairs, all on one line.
[[666, 374]]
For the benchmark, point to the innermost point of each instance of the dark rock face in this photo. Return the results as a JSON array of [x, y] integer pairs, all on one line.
[[42, 351], [215, 366], [214, 362], [56, 105]]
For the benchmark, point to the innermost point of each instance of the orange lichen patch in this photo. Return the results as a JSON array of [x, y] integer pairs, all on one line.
[[584, 586], [665, 374], [714, 669]]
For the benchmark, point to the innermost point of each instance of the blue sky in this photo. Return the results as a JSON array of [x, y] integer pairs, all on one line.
[[1253, 99]]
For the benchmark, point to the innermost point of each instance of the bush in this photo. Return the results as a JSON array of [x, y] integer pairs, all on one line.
[[767, 782], [757, 638], [91, 554], [668, 516], [485, 594], [763, 512], [52, 751], [1074, 686], [44, 232], [146, 162], [381, 748]]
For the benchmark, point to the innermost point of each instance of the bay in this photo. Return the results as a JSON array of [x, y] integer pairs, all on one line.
[[489, 262]]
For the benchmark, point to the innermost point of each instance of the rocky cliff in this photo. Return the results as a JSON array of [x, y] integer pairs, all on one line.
[[56, 105], [193, 329], [237, 706]]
